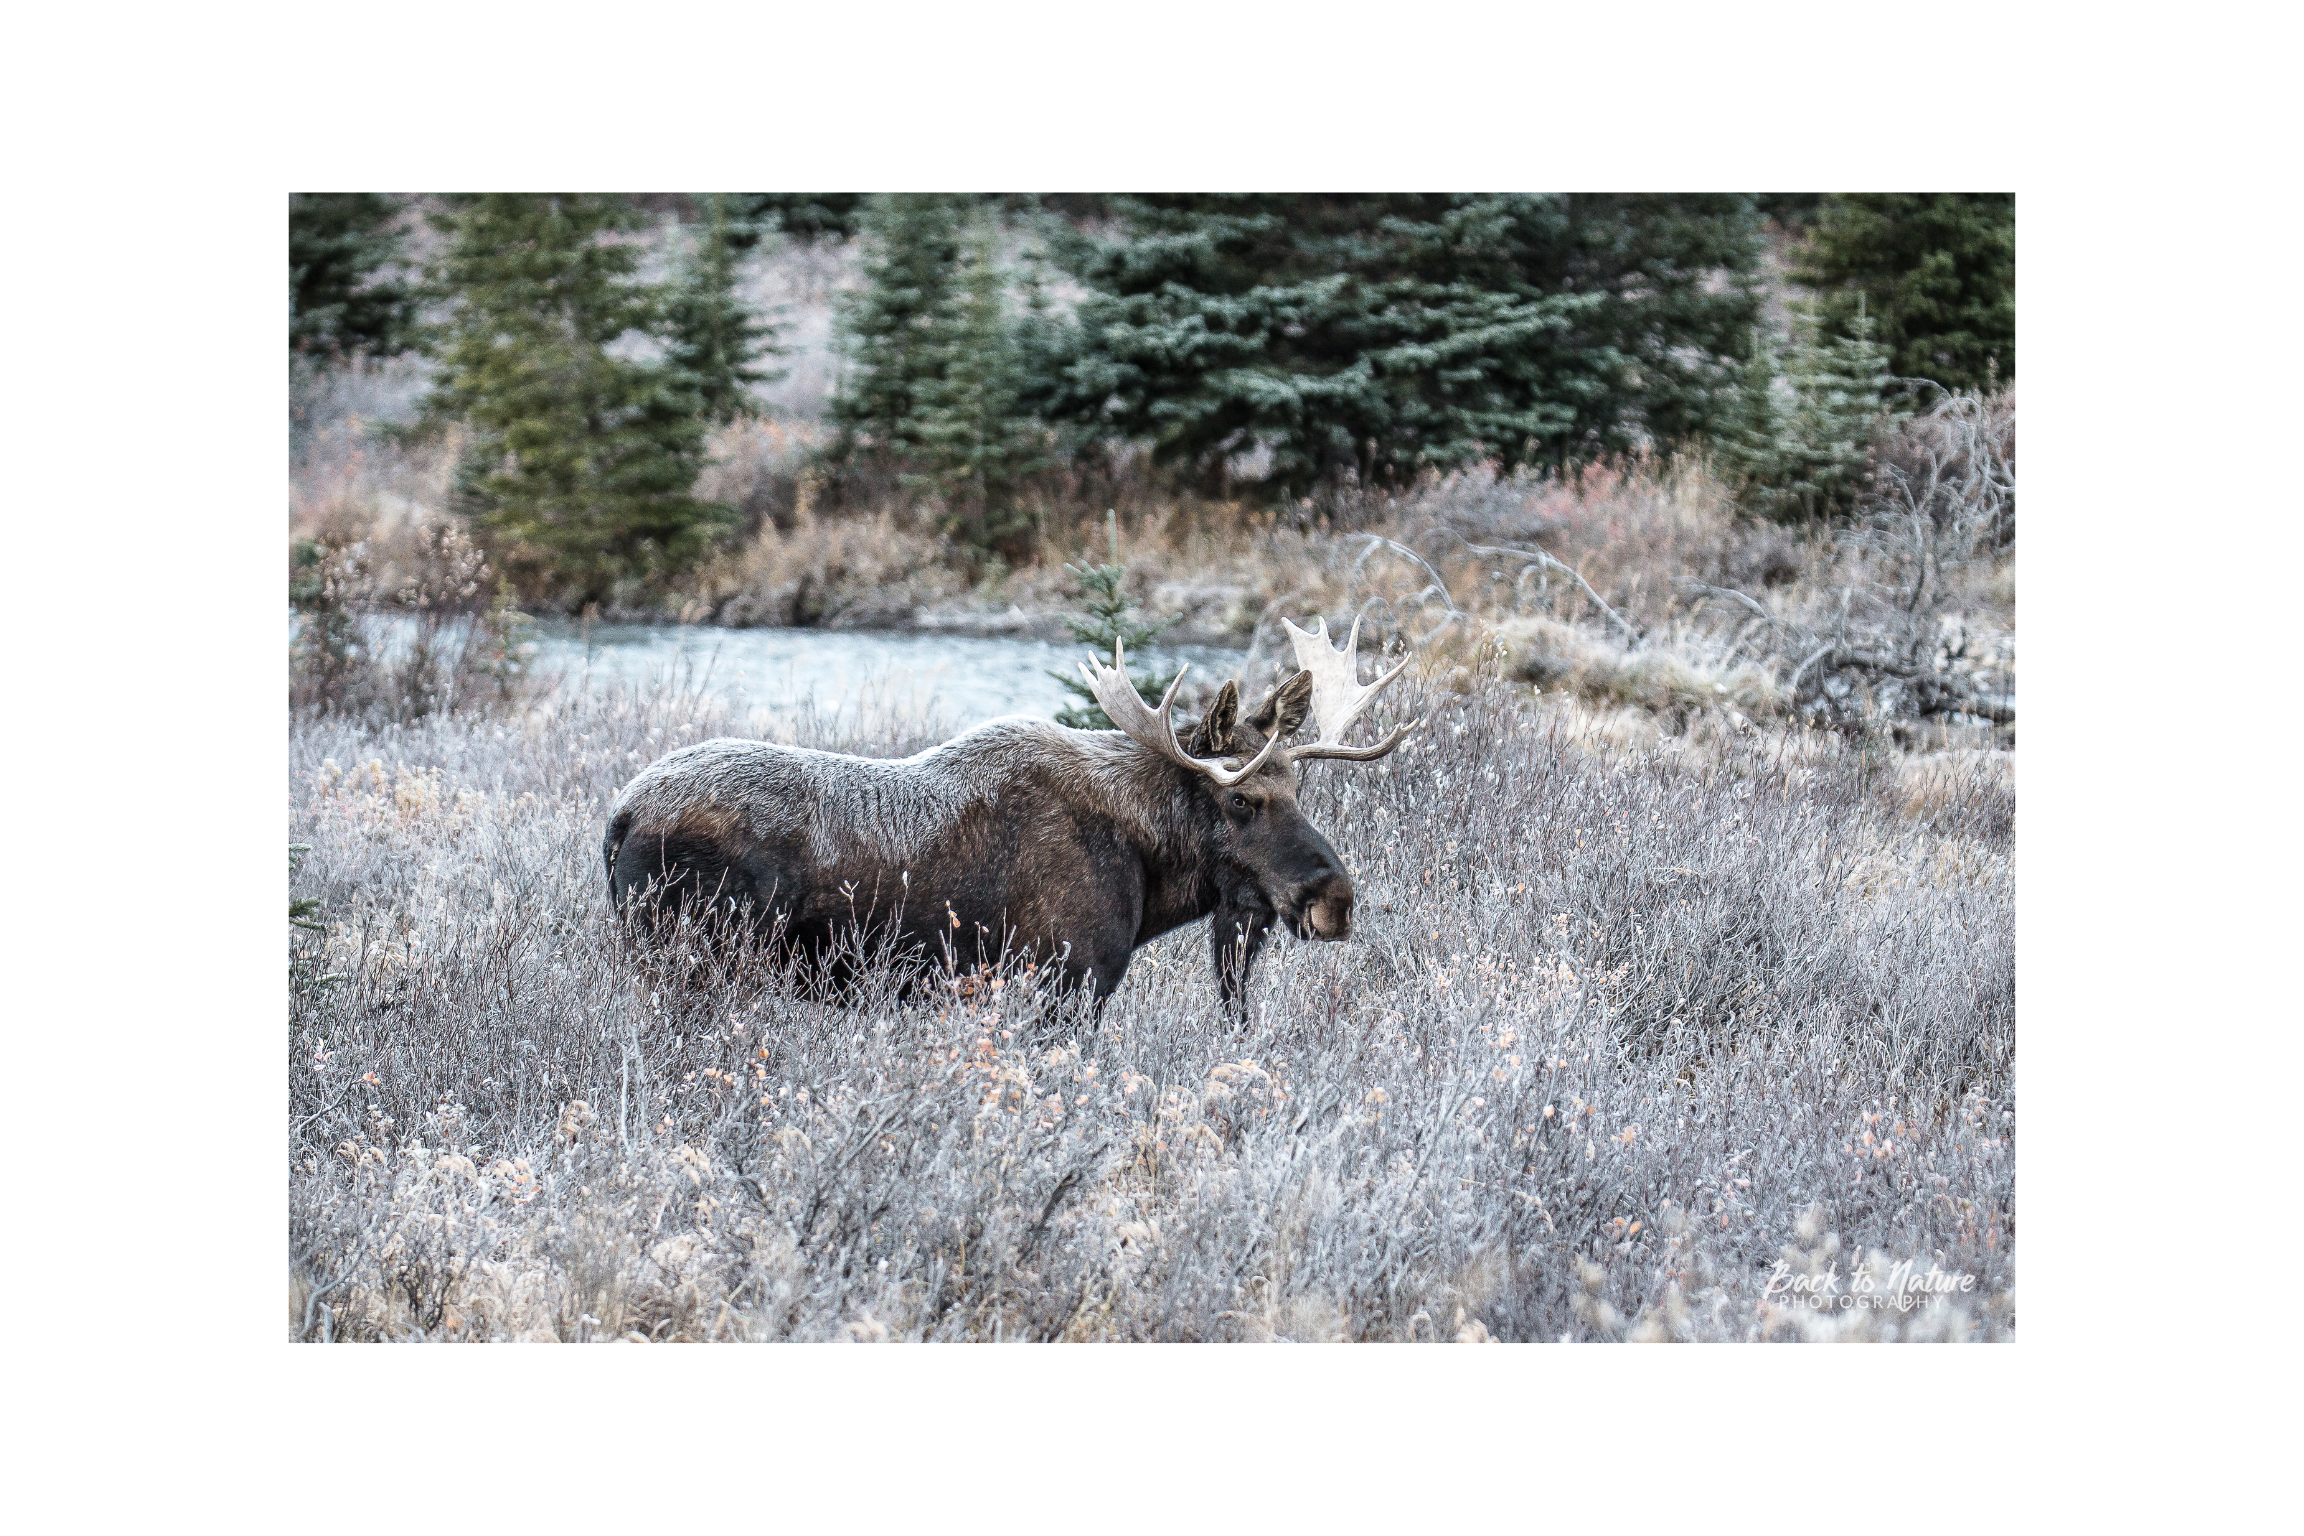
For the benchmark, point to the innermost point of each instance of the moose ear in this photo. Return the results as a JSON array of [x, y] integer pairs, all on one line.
[[1283, 710], [1214, 735]]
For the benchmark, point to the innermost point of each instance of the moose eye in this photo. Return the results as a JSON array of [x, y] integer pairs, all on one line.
[[1240, 804]]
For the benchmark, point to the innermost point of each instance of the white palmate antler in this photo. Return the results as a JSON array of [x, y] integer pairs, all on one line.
[[1337, 697], [1127, 710]]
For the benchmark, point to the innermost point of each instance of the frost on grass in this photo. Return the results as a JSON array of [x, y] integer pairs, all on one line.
[[1632, 1044]]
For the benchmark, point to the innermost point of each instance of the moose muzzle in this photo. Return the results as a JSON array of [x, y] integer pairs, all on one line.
[[1326, 909]]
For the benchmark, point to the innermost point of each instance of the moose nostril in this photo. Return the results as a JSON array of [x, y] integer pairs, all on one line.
[[1328, 909]]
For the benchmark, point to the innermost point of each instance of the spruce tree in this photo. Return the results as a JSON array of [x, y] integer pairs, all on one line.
[[893, 332], [972, 436], [1935, 271], [1841, 386], [1750, 442], [345, 292], [1798, 447], [1372, 338], [581, 458], [714, 336], [1110, 618]]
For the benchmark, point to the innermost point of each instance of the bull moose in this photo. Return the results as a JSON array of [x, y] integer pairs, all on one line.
[[1021, 835]]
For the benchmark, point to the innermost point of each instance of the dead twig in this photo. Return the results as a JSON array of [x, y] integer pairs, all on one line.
[[1551, 563], [316, 1114]]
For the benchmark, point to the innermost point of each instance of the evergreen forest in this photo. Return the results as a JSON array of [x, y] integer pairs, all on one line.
[[996, 362]]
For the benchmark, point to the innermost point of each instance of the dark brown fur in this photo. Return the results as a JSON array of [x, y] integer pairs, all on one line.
[[1020, 837]]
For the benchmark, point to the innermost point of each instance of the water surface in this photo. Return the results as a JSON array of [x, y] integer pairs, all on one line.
[[842, 673]]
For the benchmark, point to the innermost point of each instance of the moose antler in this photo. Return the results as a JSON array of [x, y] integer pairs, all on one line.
[[1126, 708], [1337, 697]]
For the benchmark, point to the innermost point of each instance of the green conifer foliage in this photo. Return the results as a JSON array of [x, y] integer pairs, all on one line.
[[803, 215], [1936, 271], [715, 337], [1110, 618], [345, 294], [893, 331], [1749, 445], [1799, 444], [302, 909], [1370, 338], [1792, 211], [581, 456], [972, 434]]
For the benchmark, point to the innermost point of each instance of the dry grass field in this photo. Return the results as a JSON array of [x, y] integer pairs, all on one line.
[[1639, 1036]]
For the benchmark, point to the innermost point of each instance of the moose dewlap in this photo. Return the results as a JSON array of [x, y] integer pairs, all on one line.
[[1018, 837]]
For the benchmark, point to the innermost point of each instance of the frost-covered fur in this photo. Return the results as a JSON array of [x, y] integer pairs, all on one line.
[[887, 810]]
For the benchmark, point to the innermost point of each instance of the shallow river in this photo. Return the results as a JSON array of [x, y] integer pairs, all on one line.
[[839, 673]]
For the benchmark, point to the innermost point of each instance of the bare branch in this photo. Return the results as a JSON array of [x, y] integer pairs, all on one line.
[[1550, 562]]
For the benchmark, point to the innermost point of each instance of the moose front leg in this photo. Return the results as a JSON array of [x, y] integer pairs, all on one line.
[[1236, 934]]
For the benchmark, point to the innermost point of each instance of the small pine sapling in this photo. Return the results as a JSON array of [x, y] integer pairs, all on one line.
[[1110, 619]]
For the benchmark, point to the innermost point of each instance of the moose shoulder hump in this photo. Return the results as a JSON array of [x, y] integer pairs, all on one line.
[[886, 809]]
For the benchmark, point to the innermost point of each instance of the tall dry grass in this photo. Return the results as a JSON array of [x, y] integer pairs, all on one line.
[[1635, 1042]]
